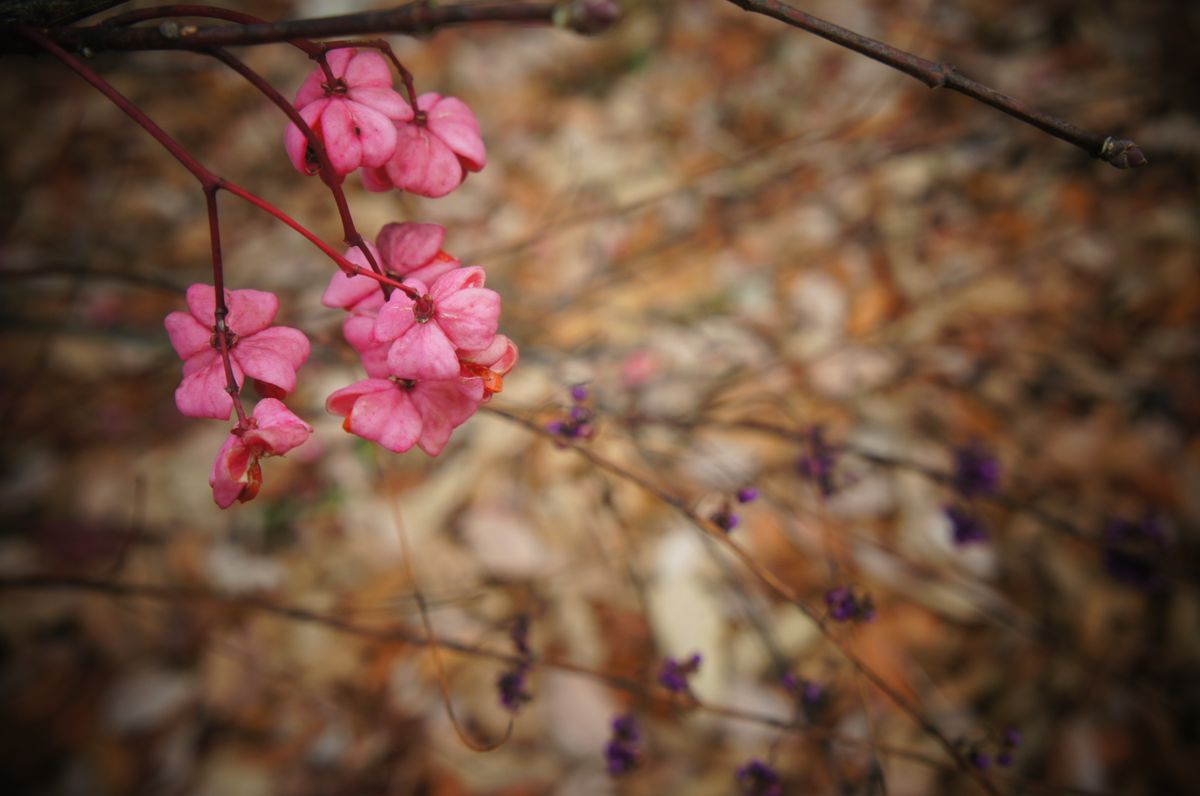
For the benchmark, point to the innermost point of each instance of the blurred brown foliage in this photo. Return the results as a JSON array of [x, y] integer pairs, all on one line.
[[730, 231]]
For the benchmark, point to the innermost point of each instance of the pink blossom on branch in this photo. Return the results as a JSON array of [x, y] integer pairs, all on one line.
[[271, 431], [434, 150], [414, 251], [405, 251], [269, 354], [355, 117], [456, 313], [400, 413]]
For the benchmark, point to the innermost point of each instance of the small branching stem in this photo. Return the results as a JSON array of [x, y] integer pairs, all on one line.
[[769, 579]]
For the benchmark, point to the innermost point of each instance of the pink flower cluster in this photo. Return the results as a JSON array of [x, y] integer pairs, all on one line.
[[427, 341], [431, 352], [426, 147], [246, 344]]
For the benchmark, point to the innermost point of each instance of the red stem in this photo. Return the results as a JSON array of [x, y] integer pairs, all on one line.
[[328, 176], [314, 51], [208, 180], [385, 48], [221, 311]]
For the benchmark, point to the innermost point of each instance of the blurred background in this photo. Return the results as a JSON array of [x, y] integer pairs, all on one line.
[[773, 264]]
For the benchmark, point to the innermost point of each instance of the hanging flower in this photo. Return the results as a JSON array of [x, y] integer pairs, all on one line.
[[269, 354]]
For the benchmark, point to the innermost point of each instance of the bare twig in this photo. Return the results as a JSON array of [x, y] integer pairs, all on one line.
[[1119, 152], [772, 582]]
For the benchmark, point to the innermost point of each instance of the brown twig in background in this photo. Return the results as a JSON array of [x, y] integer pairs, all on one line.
[[393, 633], [1118, 152], [773, 582]]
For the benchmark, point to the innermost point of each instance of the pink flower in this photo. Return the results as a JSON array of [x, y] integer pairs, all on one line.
[[355, 117], [269, 355], [405, 251], [457, 312], [271, 431], [433, 154], [414, 251], [401, 413]]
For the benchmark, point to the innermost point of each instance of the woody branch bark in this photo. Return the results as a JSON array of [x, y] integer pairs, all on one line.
[[1118, 152], [581, 16]]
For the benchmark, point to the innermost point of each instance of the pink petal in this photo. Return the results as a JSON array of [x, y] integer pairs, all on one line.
[[384, 100], [346, 292], [453, 122], [366, 68], [388, 418], [250, 311], [423, 352], [501, 356], [339, 61], [423, 164], [200, 361], [201, 302], [443, 406], [439, 265], [294, 141], [273, 355], [188, 337], [228, 470], [396, 316], [313, 88], [341, 402], [376, 134], [359, 331], [278, 430], [460, 279], [340, 135], [202, 392], [469, 317], [408, 246], [376, 180], [428, 101]]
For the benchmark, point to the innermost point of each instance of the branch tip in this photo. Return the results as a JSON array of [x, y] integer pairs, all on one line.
[[588, 17], [1122, 153]]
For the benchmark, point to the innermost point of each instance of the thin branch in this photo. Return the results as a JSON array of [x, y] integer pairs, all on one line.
[[1119, 152], [419, 18]]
